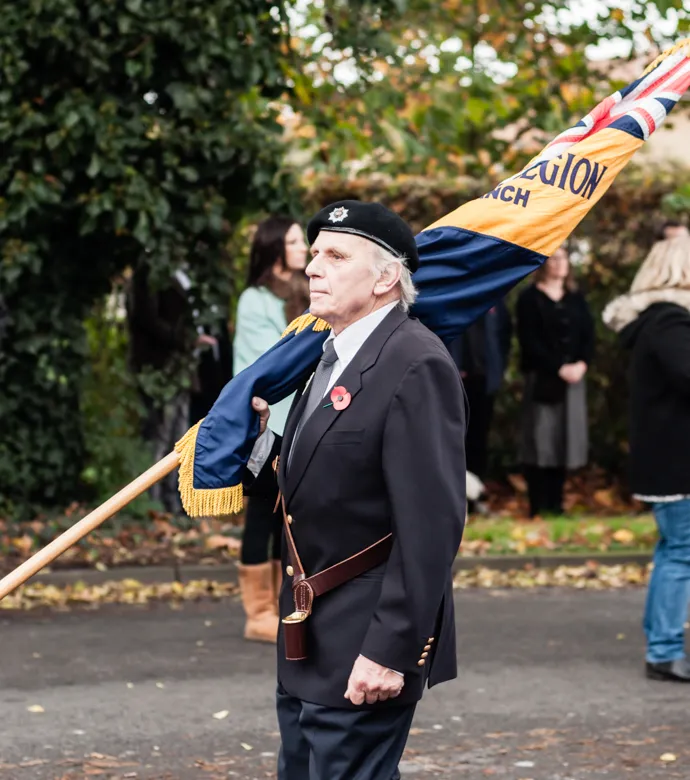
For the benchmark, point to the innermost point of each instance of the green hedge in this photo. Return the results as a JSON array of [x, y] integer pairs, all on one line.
[[131, 132]]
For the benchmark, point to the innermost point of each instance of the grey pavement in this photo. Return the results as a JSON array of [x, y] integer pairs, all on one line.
[[550, 688]]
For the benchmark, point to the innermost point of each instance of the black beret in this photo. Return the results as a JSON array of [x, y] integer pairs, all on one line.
[[372, 221]]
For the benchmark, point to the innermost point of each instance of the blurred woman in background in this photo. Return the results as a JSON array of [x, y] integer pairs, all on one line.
[[556, 336], [653, 321], [277, 292]]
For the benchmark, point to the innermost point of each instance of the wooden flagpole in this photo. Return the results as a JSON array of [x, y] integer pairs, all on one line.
[[72, 535]]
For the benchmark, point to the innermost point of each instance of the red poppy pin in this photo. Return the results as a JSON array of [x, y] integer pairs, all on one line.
[[340, 398]]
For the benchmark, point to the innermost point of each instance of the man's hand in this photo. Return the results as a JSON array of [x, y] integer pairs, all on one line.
[[260, 406], [372, 682]]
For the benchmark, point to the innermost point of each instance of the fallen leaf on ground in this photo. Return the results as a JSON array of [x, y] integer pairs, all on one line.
[[603, 498], [35, 708], [587, 577], [217, 541], [246, 746], [668, 757], [518, 483], [220, 715], [126, 591]]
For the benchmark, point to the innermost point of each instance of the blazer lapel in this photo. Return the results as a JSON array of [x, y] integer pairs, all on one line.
[[325, 414]]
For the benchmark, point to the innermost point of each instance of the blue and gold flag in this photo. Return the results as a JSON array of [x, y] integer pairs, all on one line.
[[469, 260]]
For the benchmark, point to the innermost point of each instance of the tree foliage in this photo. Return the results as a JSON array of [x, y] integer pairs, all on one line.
[[129, 129], [459, 86]]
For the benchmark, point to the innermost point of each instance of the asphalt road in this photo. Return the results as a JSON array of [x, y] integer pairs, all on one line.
[[550, 688]]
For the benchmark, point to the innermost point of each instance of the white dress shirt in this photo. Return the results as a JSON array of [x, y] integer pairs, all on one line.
[[347, 344]]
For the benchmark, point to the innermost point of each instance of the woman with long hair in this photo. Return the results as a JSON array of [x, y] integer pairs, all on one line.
[[556, 336], [653, 323], [277, 291]]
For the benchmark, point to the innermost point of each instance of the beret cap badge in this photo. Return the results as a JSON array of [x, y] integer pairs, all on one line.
[[338, 214]]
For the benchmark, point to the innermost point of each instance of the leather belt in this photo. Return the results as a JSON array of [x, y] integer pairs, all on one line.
[[305, 589]]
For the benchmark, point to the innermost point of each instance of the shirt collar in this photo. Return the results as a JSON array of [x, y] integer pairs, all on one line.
[[348, 342]]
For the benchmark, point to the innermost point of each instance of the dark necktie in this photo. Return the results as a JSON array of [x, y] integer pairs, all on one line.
[[317, 389]]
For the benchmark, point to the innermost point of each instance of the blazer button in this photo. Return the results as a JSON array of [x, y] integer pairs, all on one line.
[[421, 662], [431, 639], [290, 571], [427, 648], [289, 519], [425, 655]]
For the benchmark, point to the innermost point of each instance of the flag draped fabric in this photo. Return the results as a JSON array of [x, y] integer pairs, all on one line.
[[469, 259]]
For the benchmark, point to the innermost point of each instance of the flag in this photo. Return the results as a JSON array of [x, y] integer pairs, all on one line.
[[469, 259]]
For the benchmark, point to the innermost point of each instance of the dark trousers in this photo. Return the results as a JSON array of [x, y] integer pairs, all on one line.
[[545, 490], [481, 406], [325, 743], [263, 530]]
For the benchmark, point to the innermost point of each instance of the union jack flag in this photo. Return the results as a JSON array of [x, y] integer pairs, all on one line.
[[639, 109]]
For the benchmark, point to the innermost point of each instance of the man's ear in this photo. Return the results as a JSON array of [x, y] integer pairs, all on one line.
[[388, 279]]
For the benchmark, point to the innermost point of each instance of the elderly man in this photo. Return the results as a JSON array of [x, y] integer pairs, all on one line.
[[373, 506]]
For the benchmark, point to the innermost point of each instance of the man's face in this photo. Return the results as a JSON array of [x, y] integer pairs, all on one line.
[[341, 275]]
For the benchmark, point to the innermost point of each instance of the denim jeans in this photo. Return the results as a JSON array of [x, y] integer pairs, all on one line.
[[669, 587]]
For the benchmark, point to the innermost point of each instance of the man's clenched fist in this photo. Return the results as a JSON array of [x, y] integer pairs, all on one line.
[[371, 682]]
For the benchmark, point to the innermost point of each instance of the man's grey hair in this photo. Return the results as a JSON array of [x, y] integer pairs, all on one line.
[[408, 292]]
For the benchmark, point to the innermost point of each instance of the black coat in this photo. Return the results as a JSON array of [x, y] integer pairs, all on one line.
[[551, 333], [161, 326], [482, 351], [392, 461], [659, 400]]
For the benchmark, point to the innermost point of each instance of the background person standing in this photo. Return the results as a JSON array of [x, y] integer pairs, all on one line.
[[653, 321], [673, 229], [556, 336], [481, 355], [163, 341]]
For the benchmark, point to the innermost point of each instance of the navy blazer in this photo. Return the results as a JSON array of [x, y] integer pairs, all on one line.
[[392, 461]]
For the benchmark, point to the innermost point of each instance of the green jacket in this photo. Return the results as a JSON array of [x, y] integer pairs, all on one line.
[[259, 324]]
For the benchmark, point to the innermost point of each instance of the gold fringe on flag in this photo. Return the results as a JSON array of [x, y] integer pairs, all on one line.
[[681, 45], [303, 322], [211, 502]]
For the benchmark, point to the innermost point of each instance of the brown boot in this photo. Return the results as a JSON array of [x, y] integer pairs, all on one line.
[[277, 582], [256, 586]]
